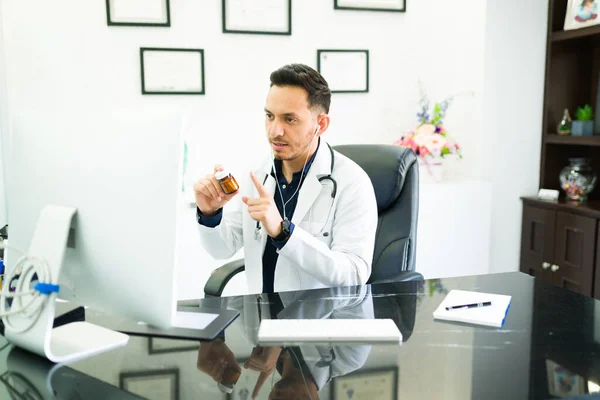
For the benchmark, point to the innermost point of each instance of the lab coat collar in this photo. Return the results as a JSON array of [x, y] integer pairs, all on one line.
[[311, 187]]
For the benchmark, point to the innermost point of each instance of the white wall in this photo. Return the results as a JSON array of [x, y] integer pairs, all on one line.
[[72, 61], [3, 126], [515, 48]]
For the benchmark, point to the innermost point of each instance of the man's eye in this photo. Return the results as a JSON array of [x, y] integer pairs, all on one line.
[[291, 120], [269, 116]]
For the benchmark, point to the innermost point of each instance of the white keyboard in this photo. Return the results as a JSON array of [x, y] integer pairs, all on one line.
[[289, 331]]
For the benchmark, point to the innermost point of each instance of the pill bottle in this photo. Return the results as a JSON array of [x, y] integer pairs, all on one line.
[[227, 182], [230, 378]]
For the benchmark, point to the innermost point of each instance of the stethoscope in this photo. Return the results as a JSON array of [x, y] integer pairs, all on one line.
[[321, 179]]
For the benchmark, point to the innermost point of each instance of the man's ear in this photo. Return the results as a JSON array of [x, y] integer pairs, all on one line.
[[323, 122]]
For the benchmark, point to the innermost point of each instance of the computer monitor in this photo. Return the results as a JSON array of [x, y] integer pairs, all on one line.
[[122, 174]]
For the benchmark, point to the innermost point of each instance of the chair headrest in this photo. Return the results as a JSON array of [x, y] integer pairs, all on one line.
[[386, 165]]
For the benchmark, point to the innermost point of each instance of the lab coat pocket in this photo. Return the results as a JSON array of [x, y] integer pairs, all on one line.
[[321, 230]]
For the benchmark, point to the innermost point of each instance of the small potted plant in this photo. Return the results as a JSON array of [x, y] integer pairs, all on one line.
[[584, 122]]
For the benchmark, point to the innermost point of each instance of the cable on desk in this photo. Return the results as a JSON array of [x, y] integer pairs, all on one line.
[[20, 296]]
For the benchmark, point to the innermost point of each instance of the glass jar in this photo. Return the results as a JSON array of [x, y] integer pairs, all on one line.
[[227, 182], [578, 179]]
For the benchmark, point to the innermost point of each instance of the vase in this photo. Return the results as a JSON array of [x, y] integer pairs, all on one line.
[[431, 171], [565, 124], [578, 179], [582, 128]]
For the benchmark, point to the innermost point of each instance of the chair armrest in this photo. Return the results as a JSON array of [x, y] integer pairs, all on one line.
[[220, 276], [404, 276]]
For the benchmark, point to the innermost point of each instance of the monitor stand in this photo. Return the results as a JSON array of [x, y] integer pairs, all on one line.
[[70, 342]]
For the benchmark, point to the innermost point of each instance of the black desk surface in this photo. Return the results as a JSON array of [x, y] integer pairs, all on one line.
[[548, 347]]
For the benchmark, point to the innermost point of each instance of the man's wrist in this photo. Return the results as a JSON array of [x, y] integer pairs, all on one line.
[[283, 231], [209, 214]]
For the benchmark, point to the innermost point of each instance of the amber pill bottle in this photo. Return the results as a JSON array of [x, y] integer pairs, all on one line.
[[227, 182], [230, 378]]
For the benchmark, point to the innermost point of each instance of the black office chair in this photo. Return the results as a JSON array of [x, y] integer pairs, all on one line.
[[394, 172]]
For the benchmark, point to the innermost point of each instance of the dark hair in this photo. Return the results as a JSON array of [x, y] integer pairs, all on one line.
[[305, 77]]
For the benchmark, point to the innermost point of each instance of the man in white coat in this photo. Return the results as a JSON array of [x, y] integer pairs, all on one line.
[[308, 215]]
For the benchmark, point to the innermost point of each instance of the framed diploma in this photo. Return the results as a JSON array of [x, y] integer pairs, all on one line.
[[156, 384], [371, 5], [138, 13], [346, 71], [172, 71], [376, 384], [263, 17]]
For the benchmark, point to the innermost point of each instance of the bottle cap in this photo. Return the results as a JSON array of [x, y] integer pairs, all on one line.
[[221, 174], [225, 388]]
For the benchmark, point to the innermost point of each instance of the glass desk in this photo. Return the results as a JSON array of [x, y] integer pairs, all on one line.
[[548, 347]]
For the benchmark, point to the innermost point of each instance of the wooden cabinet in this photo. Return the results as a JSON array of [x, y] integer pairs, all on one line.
[[559, 244]]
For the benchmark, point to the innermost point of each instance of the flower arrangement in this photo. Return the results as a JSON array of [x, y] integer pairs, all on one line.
[[430, 139]]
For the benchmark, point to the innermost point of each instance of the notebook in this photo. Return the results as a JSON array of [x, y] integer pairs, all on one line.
[[493, 315]]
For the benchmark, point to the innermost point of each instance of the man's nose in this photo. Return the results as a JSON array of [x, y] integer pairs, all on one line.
[[276, 130]]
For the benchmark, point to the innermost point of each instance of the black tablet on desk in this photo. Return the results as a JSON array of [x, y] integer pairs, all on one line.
[[193, 322]]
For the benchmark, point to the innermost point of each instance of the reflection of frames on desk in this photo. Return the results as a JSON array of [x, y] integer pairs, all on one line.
[[375, 384], [158, 345], [152, 384], [19, 387]]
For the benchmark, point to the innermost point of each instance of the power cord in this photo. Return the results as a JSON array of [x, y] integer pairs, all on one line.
[[25, 298]]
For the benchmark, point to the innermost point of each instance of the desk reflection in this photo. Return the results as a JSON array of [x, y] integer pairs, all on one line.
[[301, 371]]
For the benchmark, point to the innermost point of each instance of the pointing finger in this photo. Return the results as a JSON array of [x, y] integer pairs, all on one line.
[[262, 192]]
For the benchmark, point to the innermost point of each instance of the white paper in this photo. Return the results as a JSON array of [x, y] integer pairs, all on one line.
[[151, 11], [385, 4], [257, 15], [172, 71], [193, 320], [493, 315], [344, 71]]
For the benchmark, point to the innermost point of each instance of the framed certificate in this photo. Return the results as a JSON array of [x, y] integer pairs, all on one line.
[[375, 384], [371, 5], [263, 17], [138, 13], [172, 71], [346, 71], [158, 345], [156, 384]]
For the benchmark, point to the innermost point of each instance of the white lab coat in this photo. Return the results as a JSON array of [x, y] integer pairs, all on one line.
[[309, 259]]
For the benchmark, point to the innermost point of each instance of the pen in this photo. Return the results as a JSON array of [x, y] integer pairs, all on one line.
[[473, 305]]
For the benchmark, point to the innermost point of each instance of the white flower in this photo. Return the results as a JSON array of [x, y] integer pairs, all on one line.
[[432, 141], [426, 129]]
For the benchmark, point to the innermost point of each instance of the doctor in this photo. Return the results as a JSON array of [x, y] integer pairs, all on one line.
[[308, 215]]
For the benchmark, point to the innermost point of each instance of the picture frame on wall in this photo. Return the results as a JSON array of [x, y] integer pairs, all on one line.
[[170, 71], [152, 384], [371, 5], [158, 345], [379, 384], [150, 13], [257, 17], [581, 14], [346, 71]]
